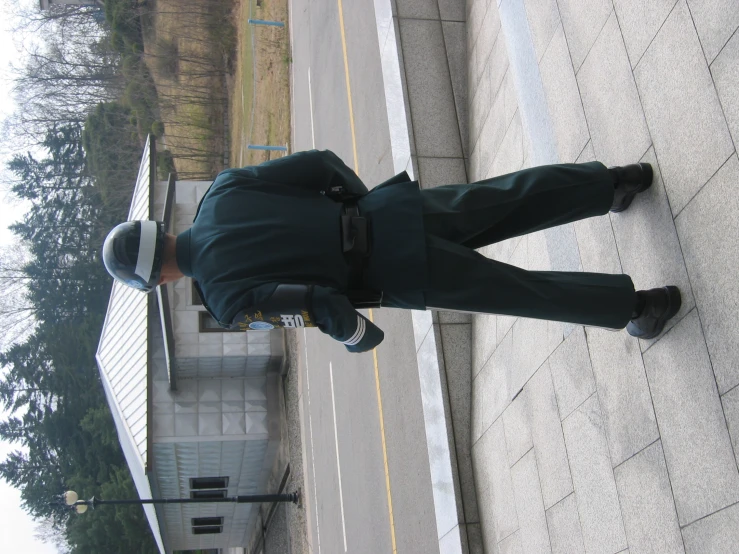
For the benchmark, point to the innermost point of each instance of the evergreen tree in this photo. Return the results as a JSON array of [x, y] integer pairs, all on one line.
[[51, 386]]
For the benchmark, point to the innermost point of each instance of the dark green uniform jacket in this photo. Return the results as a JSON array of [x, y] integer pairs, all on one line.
[[269, 225]]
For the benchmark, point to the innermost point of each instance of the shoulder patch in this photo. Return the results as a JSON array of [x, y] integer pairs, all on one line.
[[287, 308]]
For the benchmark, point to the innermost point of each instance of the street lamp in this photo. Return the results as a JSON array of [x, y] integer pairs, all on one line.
[[72, 500]]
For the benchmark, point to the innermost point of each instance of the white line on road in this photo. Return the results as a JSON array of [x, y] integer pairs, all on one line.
[[338, 462], [312, 457], [310, 100]]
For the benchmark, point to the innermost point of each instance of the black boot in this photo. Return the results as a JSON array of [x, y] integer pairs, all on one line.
[[654, 308], [629, 180]]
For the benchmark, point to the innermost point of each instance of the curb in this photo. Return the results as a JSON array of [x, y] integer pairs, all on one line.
[[424, 96]]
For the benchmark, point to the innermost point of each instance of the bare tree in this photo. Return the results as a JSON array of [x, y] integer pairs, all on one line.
[[48, 532]]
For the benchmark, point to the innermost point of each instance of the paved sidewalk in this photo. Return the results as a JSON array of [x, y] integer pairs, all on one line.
[[587, 440]]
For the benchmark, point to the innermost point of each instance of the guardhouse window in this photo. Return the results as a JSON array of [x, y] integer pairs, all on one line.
[[196, 300], [208, 487], [202, 483], [206, 324], [211, 494], [207, 525]]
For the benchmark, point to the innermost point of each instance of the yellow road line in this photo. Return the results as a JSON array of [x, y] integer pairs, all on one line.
[[371, 314], [348, 88], [384, 445]]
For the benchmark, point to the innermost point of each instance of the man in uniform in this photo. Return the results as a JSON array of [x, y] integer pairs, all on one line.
[[300, 241]]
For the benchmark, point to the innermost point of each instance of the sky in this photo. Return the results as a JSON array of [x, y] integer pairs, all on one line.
[[16, 527]]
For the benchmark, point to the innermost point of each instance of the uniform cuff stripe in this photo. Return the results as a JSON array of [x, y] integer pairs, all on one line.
[[356, 331], [358, 334]]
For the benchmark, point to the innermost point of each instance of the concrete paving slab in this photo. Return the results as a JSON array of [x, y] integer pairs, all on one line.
[[716, 21], [520, 253], [648, 245], [628, 416], [538, 136], [555, 334], [572, 373], [490, 388], [717, 533], [492, 457], [565, 532], [597, 245], [562, 248], [543, 16], [563, 98], [481, 105], [537, 254], [475, 543], [483, 484], [730, 403], [683, 112], [457, 351], [512, 544], [646, 503], [504, 251], [519, 257], [510, 156], [489, 32], [595, 486], [498, 62], [504, 325], [429, 87], [510, 98], [481, 48], [708, 229], [480, 391], [725, 73], [422, 321], [446, 317], [612, 107], [654, 38], [483, 340], [474, 69], [530, 350], [698, 451], [455, 40], [433, 172], [639, 22], [491, 136], [583, 22], [475, 14], [417, 9], [532, 520], [587, 154], [517, 430], [452, 10], [546, 433]]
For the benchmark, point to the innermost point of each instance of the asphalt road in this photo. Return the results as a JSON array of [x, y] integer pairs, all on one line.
[[369, 484]]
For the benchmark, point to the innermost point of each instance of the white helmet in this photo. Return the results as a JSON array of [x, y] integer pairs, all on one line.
[[132, 253]]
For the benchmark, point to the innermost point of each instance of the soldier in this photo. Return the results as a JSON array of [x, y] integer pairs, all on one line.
[[300, 241]]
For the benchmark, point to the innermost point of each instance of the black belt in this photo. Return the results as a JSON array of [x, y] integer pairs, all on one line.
[[356, 245], [355, 236]]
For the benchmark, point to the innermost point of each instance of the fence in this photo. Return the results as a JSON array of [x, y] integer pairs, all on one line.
[[264, 131]]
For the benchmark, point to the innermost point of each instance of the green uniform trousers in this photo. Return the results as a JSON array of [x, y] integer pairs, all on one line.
[[459, 218]]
